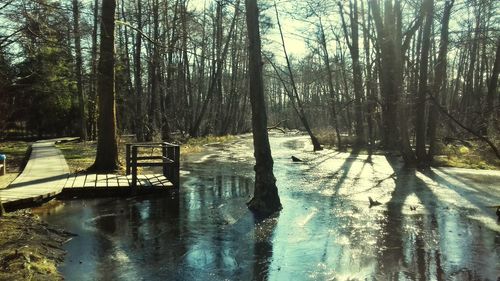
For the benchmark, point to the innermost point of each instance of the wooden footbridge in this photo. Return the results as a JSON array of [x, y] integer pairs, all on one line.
[[46, 175]]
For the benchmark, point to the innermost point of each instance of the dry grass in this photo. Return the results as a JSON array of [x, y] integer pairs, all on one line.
[[16, 152], [81, 155], [29, 249], [195, 145]]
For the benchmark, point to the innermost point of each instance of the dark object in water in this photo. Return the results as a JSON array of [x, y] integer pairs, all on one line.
[[498, 213], [373, 203], [295, 159]]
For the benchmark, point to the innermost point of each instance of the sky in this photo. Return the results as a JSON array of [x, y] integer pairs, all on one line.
[[292, 28]]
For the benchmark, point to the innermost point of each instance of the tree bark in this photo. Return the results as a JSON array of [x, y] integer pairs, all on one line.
[[353, 45], [107, 147], [440, 79], [266, 200], [139, 118], [392, 48], [420, 127], [82, 132], [331, 88], [492, 92], [154, 120], [370, 88], [92, 102], [217, 72]]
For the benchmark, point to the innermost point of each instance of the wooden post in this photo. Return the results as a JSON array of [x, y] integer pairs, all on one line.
[[127, 158], [134, 166], [171, 168], [176, 166], [164, 148]]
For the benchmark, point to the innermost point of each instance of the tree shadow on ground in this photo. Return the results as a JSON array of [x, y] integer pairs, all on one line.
[[429, 243]]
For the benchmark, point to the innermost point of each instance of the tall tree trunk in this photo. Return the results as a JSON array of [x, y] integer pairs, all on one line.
[[420, 128], [266, 199], [217, 71], [392, 49], [107, 148], [154, 120], [129, 99], [82, 128], [492, 92], [92, 102], [370, 88], [331, 89], [139, 118], [440, 78], [470, 89], [353, 45]]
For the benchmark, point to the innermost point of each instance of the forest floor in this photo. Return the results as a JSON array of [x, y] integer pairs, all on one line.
[[81, 155], [435, 224], [16, 152], [29, 248], [468, 154]]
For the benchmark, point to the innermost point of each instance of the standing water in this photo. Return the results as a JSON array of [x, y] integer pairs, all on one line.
[[430, 225]]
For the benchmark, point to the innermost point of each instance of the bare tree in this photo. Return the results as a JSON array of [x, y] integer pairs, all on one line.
[[294, 96], [353, 45], [439, 78], [82, 128], [420, 128], [266, 199]]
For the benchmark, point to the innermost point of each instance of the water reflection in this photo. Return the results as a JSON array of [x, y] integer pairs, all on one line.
[[429, 228]]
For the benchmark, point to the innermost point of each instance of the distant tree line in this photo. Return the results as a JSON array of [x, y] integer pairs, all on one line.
[[394, 74]]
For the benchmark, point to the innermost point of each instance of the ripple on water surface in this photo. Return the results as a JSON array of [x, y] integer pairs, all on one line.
[[429, 226]]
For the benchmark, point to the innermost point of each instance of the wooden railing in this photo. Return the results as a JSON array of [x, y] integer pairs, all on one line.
[[169, 160]]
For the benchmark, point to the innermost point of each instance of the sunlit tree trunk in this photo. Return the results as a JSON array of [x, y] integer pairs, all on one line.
[[107, 147], [266, 199], [394, 108], [370, 88]]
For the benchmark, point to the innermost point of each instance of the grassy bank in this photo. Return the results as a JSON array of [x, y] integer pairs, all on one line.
[[80, 156], [29, 248], [17, 153], [474, 155]]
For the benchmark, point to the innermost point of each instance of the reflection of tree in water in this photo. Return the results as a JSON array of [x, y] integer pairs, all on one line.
[[139, 234], [420, 246], [263, 248]]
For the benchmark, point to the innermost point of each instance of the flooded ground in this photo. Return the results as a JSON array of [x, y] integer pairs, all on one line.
[[431, 225]]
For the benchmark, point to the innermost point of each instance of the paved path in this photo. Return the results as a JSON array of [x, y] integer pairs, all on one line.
[[44, 176]]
